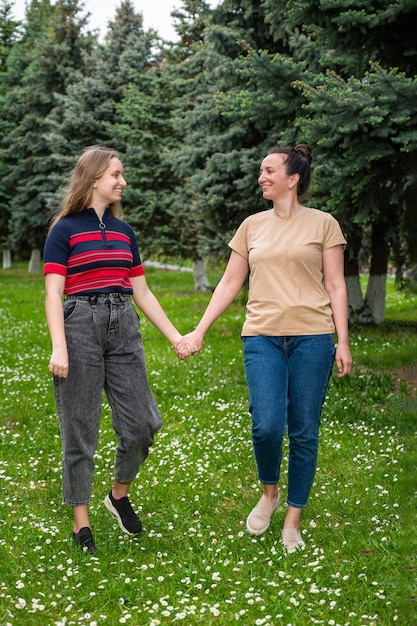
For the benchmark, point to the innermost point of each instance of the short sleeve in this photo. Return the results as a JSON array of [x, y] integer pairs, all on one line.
[[239, 241], [56, 250]]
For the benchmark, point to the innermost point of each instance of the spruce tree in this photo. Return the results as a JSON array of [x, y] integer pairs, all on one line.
[[9, 36], [39, 69], [360, 113], [345, 73], [165, 228], [144, 128], [219, 158], [87, 111]]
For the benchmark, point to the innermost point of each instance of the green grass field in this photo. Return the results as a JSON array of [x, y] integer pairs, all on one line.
[[196, 564]]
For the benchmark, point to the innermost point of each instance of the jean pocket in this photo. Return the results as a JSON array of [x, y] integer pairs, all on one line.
[[69, 308]]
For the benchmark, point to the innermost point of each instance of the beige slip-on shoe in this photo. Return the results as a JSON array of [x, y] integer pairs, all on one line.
[[292, 540], [260, 517]]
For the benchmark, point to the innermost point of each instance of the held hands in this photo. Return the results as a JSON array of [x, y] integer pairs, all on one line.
[[189, 345]]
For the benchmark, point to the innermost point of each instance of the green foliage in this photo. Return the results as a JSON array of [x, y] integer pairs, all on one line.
[[219, 150], [39, 68], [87, 113], [9, 30], [378, 108], [346, 81], [9, 34], [147, 133], [196, 564], [194, 118]]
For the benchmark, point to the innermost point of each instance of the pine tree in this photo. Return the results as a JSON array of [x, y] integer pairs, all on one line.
[[345, 74], [9, 35], [39, 69], [87, 112], [145, 129], [360, 113], [164, 227], [219, 158]]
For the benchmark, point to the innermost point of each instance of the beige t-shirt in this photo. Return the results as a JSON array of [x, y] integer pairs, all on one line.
[[286, 293]]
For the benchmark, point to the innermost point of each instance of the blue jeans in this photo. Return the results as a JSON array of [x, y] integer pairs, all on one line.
[[105, 352], [287, 379]]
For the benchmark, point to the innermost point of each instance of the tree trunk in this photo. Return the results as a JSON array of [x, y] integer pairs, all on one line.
[[353, 285], [376, 291], [200, 277], [375, 297], [355, 296], [7, 259], [35, 261], [371, 309]]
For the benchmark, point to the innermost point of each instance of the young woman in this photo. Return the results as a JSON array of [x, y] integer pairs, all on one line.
[[91, 258], [297, 298]]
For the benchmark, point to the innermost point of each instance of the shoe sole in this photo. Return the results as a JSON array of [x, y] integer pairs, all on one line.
[[109, 506], [252, 531]]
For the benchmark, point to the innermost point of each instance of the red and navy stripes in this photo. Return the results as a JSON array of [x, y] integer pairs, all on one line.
[[93, 260]]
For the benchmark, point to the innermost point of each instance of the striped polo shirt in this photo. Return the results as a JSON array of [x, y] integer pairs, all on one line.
[[94, 256]]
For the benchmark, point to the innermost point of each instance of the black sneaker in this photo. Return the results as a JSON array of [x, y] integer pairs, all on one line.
[[127, 518], [84, 539]]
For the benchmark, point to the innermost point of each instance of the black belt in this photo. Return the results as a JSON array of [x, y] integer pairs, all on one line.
[[102, 297]]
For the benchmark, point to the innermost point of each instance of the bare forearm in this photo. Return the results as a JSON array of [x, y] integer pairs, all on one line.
[[222, 297], [224, 294], [192, 343], [58, 363], [55, 320], [339, 306], [150, 306]]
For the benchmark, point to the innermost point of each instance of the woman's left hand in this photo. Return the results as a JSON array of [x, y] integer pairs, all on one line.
[[343, 360]]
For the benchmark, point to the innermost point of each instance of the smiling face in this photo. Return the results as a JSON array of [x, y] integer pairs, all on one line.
[[273, 177], [109, 187]]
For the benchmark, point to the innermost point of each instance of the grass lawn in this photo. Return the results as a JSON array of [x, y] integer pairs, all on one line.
[[196, 564]]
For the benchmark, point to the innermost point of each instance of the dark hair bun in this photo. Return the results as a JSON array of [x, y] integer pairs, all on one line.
[[304, 150]]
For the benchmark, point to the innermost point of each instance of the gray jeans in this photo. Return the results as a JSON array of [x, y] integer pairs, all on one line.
[[105, 352]]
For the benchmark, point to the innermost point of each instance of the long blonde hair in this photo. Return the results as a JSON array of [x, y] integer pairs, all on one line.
[[91, 165]]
